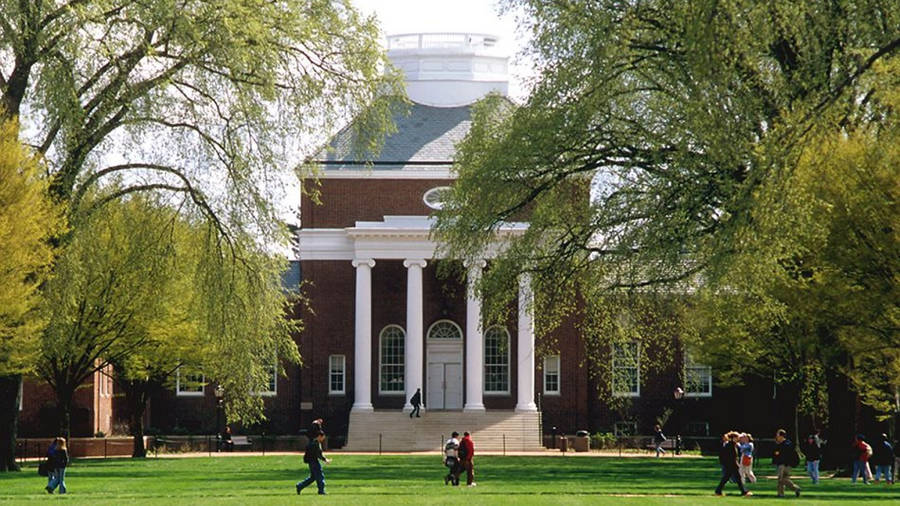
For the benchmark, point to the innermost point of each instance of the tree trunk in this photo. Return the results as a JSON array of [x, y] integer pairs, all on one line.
[[64, 408], [9, 421], [136, 400]]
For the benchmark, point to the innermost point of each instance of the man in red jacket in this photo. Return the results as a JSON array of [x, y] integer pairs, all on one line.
[[466, 452]]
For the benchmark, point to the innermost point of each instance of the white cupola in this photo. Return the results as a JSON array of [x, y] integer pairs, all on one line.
[[449, 69]]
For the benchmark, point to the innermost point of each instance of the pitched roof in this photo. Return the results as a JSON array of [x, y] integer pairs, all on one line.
[[427, 136]]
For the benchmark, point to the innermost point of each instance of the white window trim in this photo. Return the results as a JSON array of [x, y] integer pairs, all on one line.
[[431, 327], [21, 393], [619, 423], [558, 390], [637, 367], [179, 393], [400, 393], [689, 363], [440, 204], [343, 391], [485, 391], [270, 393]]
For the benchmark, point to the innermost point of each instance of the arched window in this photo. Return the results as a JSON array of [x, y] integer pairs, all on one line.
[[391, 369], [435, 197], [496, 360], [444, 329]]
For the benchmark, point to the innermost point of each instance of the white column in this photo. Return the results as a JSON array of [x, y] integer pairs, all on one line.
[[474, 340], [362, 353], [526, 345], [414, 331]]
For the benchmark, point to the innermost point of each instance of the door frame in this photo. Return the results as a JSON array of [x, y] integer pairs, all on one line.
[[445, 351]]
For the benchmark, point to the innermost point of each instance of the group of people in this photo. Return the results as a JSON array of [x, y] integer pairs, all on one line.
[[736, 459], [880, 453], [55, 465], [458, 455]]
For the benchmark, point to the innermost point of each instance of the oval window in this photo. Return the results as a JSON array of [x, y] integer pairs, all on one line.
[[434, 198]]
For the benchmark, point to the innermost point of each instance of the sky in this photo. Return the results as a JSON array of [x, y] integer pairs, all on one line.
[[480, 16]]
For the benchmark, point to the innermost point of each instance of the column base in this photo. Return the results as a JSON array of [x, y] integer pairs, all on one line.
[[362, 408], [474, 408], [526, 408]]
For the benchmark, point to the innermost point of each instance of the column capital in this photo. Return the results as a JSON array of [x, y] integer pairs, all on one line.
[[410, 262], [363, 261], [475, 264]]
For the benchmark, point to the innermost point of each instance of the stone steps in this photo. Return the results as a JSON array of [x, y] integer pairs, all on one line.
[[490, 430]]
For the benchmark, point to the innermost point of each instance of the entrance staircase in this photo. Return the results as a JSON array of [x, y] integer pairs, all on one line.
[[396, 432]]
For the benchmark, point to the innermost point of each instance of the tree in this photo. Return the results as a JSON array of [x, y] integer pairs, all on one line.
[[211, 99], [27, 220], [686, 121]]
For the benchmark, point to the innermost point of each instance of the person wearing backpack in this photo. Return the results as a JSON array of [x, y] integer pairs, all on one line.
[[883, 458], [784, 458], [58, 458], [466, 452], [451, 460], [312, 457]]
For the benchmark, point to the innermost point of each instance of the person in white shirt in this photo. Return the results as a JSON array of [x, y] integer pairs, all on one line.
[[451, 460]]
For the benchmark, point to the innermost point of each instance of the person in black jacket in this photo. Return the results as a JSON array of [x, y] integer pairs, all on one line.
[[728, 458], [813, 455], [312, 457], [785, 457], [883, 458], [416, 402], [59, 458]]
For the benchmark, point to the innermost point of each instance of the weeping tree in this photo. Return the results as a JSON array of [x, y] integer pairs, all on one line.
[[27, 220], [655, 140], [210, 99]]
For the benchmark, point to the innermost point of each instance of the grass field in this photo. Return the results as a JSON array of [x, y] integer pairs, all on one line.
[[373, 480]]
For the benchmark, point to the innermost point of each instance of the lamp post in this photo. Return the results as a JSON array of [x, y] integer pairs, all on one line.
[[220, 396], [679, 395]]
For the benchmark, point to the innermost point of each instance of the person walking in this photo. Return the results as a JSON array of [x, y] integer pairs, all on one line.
[[58, 456], [883, 459], [658, 439], [813, 455], [746, 447], [466, 452], [860, 451], [784, 458], [728, 458], [451, 460], [416, 401], [312, 457]]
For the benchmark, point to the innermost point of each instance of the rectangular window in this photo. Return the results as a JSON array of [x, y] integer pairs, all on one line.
[[496, 361], [626, 370], [551, 375], [698, 428], [336, 375], [189, 384], [697, 378]]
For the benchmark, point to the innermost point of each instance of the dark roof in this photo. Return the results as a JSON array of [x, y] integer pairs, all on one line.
[[427, 136]]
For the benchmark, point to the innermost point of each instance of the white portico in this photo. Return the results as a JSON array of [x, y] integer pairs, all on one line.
[[434, 364]]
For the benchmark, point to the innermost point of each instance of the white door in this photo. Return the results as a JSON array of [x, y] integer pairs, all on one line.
[[435, 398], [453, 389]]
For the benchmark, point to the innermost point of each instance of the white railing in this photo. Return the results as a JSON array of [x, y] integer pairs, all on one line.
[[441, 40]]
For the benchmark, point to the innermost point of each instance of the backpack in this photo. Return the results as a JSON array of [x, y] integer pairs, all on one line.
[[463, 451]]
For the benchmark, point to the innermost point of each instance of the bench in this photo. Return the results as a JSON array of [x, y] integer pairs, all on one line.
[[668, 444], [236, 441]]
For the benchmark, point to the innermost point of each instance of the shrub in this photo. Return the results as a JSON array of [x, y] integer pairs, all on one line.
[[603, 440]]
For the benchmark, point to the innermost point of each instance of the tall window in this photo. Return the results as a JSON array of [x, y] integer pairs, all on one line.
[[336, 377], [697, 378], [189, 383], [21, 394], [551, 375], [626, 370], [444, 329], [392, 355], [496, 360], [270, 386]]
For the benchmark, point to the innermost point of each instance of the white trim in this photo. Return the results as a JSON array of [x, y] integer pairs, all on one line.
[[270, 393], [343, 390], [493, 393], [445, 320], [21, 393], [393, 173], [637, 367], [688, 363], [558, 390], [179, 393], [434, 191], [402, 391]]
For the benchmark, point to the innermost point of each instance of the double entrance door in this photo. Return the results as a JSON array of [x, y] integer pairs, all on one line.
[[444, 380]]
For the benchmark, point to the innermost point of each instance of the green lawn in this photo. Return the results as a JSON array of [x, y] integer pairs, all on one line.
[[372, 480]]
